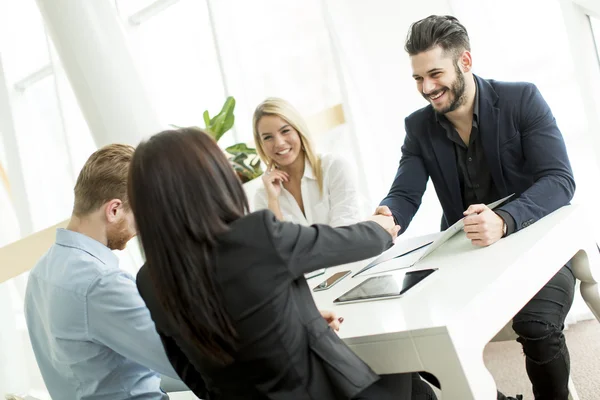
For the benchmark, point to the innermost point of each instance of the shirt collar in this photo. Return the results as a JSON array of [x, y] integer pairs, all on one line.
[[308, 171], [476, 105], [67, 238]]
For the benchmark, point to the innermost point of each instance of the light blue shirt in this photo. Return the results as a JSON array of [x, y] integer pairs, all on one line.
[[91, 332]]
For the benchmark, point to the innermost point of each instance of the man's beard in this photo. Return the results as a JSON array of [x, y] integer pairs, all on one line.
[[119, 236], [456, 91]]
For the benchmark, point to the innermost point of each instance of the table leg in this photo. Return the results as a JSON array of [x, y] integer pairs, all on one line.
[[459, 368], [585, 268]]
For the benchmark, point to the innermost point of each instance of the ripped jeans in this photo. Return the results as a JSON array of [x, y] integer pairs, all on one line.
[[539, 326]]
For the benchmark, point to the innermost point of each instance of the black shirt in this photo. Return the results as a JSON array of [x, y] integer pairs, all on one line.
[[476, 183]]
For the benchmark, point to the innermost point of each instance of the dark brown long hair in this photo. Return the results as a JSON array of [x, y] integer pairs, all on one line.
[[184, 194]]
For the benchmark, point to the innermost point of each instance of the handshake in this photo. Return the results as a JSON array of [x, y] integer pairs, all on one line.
[[383, 216]]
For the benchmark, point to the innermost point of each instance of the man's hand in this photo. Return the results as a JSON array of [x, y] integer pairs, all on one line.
[[483, 226], [332, 319], [383, 210], [388, 223]]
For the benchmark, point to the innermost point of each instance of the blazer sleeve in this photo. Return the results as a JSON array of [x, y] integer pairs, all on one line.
[[546, 154], [307, 248], [406, 193]]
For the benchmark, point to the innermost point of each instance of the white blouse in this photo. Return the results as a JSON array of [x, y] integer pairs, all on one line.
[[339, 205]]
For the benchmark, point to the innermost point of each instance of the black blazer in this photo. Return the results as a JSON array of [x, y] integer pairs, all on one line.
[[523, 147], [286, 349]]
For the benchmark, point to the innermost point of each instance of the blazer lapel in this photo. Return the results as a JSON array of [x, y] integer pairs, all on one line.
[[489, 127], [446, 158]]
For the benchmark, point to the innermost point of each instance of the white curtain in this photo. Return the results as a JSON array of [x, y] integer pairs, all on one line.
[[177, 56], [13, 338]]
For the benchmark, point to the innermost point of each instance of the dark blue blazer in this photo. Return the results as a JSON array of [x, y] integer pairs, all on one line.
[[523, 147]]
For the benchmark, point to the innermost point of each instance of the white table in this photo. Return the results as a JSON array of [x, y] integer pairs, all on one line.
[[443, 324]]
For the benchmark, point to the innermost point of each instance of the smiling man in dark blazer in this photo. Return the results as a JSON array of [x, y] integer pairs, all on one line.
[[480, 140]]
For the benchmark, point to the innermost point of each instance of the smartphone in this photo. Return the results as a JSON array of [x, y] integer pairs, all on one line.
[[332, 280], [314, 274]]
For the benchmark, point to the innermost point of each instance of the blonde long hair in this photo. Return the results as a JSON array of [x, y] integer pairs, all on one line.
[[284, 110]]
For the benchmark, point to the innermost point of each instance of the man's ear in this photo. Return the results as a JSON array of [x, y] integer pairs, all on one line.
[[465, 61], [112, 210]]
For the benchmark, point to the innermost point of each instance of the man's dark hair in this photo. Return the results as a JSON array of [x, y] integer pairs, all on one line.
[[437, 30]]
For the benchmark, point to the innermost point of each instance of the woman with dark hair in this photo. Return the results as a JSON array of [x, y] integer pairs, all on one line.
[[226, 290]]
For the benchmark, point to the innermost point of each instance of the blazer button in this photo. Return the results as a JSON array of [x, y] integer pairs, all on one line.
[[525, 224]]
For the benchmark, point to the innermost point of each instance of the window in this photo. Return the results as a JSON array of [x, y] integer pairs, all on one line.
[[46, 162], [29, 53], [79, 141], [595, 24], [176, 54], [285, 51], [128, 7]]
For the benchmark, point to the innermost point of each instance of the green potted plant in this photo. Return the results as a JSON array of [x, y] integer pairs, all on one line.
[[244, 160]]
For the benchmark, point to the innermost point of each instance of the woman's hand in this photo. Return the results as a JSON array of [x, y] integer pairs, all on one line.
[[272, 179], [387, 223], [332, 319]]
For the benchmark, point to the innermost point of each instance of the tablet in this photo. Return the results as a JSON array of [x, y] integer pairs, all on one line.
[[384, 286], [458, 226]]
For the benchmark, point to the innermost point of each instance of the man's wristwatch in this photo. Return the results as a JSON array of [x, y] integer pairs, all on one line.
[[504, 228]]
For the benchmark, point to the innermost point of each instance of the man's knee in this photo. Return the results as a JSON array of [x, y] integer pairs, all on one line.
[[542, 341], [534, 330]]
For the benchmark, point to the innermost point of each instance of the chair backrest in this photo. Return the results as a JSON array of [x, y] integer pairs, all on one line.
[[21, 256], [4, 179], [326, 120]]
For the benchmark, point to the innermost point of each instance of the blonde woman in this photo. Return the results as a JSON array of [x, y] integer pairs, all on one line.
[[299, 185]]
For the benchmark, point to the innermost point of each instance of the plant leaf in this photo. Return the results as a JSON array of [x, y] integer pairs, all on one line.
[[242, 167], [227, 110], [240, 148], [217, 127], [240, 158], [256, 163], [206, 120], [224, 120]]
